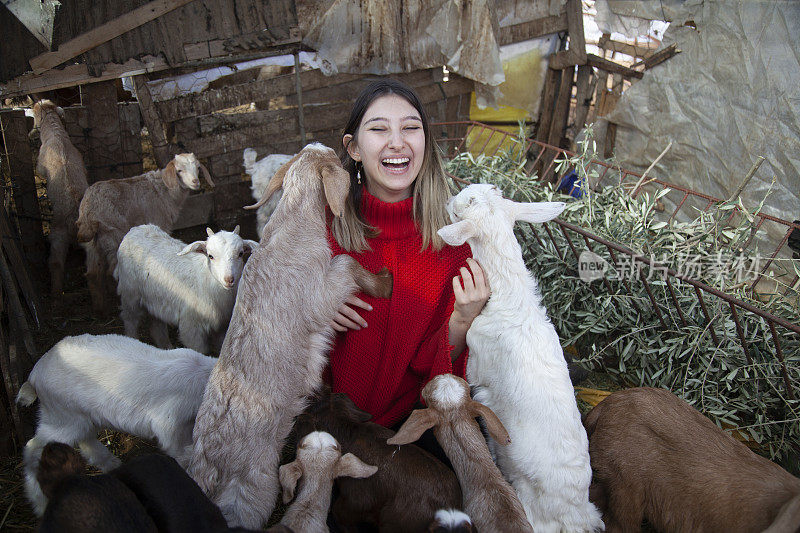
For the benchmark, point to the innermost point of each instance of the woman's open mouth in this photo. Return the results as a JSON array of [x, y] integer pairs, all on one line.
[[396, 164]]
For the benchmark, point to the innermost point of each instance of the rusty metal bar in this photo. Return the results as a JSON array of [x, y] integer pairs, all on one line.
[[699, 294], [771, 259], [550, 234], [652, 299], [779, 354], [624, 281], [675, 301], [605, 280], [685, 196], [740, 332]]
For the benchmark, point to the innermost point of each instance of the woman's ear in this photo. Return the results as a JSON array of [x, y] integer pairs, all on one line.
[[351, 146]]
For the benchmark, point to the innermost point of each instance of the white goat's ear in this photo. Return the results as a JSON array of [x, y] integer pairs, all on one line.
[[60, 112], [197, 246], [249, 246], [209, 231], [236, 230], [351, 466], [412, 429], [496, 428], [457, 233], [289, 474], [535, 212]]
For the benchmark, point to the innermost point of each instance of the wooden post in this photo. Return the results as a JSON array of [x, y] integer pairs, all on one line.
[[583, 97], [152, 119], [18, 162], [130, 121], [105, 143], [299, 88]]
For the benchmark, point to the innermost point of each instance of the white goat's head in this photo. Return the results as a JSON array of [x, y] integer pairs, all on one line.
[[315, 164], [480, 212], [40, 109], [184, 171], [225, 255], [319, 451]]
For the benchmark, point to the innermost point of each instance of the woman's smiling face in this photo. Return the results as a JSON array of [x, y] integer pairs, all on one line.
[[390, 144]]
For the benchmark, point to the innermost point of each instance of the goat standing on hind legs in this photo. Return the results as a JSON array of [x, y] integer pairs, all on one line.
[[278, 338], [61, 164]]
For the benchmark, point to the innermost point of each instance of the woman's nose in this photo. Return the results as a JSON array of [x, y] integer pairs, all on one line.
[[395, 139]]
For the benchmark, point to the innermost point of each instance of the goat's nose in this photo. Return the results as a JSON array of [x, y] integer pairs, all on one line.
[[229, 279]]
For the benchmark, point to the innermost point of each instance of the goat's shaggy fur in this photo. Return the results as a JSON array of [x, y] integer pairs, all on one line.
[[517, 366], [275, 348], [189, 286], [319, 461], [260, 173], [61, 165], [656, 457], [90, 382], [410, 485], [110, 208], [488, 498]]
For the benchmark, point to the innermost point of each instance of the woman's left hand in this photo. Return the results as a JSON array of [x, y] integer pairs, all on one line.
[[472, 296]]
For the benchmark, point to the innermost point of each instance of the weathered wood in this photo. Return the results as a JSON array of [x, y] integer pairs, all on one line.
[[659, 57], [259, 40], [561, 110], [614, 68], [583, 96], [103, 33], [232, 96], [130, 119], [10, 246], [301, 120], [601, 88], [610, 141], [19, 163], [532, 29], [633, 50], [549, 94], [576, 54], [152, 119], [105, 141]]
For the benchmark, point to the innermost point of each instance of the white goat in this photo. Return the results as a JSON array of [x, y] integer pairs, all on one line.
[[518, 367], [319, 461], [276, 345], [61, 164], [488, 498], [189, 286], [260, 173], [110, 208], [90, 382], [451, 521]]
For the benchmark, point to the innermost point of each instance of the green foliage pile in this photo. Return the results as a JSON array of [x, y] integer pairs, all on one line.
[[613, 324]]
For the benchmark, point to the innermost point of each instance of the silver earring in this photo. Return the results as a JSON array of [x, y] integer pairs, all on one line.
[[358, 176]]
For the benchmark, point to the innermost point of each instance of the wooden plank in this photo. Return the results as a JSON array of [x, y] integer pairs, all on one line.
[[130, 121], [612, 67], [227, 97], [576, 54], [532, 29], [659, 57], [152, 119], [104, 33], [610, 141], [549, 93], [583, 96], [10, 245], [18, 160], [632, 50], [105, 141], [561, 110], [259, 40]]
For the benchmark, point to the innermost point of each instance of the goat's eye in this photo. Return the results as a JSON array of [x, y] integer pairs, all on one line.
[[241, 254], [211, 257]]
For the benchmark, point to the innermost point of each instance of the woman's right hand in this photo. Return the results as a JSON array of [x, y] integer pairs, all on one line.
[[348, 318]]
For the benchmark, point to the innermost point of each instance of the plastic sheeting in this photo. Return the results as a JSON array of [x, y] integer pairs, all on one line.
[[731, 95], [390, 36]]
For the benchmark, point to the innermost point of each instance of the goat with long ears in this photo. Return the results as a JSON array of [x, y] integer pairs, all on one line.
[[517, 366], [277, 340]]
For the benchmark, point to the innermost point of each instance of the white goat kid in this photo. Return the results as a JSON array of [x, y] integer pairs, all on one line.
[[261, 173], [189, 286], [91, 382], [517, 364]]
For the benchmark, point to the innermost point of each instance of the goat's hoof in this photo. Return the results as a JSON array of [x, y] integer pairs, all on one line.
[[385, 280]]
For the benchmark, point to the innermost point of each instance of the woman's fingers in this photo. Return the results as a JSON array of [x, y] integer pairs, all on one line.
[[466, 278], [358, 302], [480, 281], [348, 318]]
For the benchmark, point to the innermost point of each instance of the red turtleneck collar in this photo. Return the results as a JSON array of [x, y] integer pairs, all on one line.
[[394, 220]]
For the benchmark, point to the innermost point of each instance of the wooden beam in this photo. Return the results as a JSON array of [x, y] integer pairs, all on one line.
[[104, 33], [105, 141], [614, 68], [659, 57], [532, 29], [152, 119], [633, 50], [583, 96], [576, 54]]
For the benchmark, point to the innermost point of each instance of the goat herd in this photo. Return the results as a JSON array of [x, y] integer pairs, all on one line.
[[223, 422]]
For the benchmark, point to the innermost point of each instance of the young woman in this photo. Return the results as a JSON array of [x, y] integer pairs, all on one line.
[[388, 349]]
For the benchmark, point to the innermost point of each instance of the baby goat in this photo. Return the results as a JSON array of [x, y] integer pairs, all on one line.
[[410, 485], [518, 369], [61, 165], [276, 345], [488, 499], [451, 521], [90, 382], [110, 208], [189, 286], [654, 456], [319, 461], [261, 173]]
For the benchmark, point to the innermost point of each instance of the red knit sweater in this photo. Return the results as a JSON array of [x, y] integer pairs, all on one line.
[[384, 366]]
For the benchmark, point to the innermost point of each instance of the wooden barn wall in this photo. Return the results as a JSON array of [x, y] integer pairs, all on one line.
[[217, 125], [238, 24]]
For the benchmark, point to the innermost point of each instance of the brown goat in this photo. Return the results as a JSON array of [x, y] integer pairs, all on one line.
[[110, 208], [278, 338], [61, 164], [410, 485], [489, 500], [656, 457]]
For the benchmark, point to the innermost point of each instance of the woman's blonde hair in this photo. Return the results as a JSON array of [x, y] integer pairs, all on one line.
[[430, 190]]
